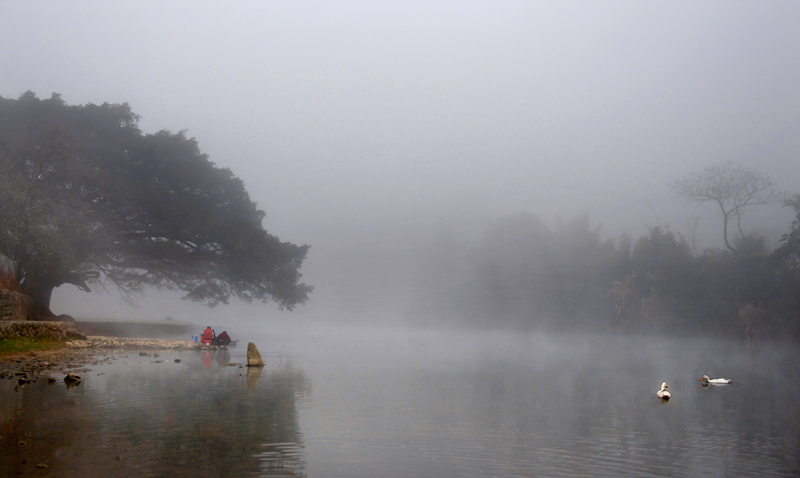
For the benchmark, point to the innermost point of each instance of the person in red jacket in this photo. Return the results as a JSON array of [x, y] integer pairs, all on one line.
[[208, 336]]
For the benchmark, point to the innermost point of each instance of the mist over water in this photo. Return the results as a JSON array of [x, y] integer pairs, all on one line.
[[472, 179], [336, 401]]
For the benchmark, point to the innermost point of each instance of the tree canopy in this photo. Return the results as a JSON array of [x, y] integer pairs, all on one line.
[[87, 198]]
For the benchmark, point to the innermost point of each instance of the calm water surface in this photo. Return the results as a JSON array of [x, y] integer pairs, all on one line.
[[366, 401]]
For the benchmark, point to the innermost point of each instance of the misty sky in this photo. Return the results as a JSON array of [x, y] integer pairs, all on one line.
[[356, 125]]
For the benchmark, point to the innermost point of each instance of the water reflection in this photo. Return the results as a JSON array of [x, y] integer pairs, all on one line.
[[253, 374], [157, 418], [504, 405], [399, 403], [223, 357]]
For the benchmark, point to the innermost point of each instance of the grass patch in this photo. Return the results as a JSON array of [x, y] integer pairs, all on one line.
[[18, 345]]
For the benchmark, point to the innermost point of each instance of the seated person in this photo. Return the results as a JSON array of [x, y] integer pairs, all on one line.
[[223, 339], [208, 336]]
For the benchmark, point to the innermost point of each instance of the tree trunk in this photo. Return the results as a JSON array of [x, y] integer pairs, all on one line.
[[725, 227], [39, 281], [41, 294]]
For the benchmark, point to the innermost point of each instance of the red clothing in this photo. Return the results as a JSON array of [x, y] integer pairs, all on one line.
[[208, 336], [223, 338]]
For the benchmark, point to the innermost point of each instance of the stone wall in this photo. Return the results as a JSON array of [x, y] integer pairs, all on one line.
[[30, 328], [14, 306]]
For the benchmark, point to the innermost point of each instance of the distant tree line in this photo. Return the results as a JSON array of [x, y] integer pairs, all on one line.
[[526, 274]]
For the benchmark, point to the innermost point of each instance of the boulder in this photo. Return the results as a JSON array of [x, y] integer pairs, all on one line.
[[253, 357]]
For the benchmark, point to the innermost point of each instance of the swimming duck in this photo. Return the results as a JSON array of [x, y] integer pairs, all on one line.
[[663, 393], [715, 381]]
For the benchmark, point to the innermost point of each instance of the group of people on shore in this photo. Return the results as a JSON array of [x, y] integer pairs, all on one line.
[[209, 337]]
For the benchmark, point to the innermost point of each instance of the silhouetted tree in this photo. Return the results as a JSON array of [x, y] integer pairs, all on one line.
[[663, 278], [732, 188], [86, 197], [786, 264], [579, 270], [662, 261], [788, 253]]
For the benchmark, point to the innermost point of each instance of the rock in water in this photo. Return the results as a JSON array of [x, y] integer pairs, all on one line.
[[72, 380], [253, 357]]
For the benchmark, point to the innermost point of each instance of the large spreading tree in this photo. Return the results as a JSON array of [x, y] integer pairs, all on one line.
[[87, 199]]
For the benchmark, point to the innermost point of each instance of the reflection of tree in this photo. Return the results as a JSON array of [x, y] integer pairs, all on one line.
[[35, 422], [223, 430], [197, 422]]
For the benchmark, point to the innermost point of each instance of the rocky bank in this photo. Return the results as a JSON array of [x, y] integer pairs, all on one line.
[[77, 354]]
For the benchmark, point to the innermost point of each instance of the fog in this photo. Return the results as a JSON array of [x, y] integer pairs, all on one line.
[[370, 130]]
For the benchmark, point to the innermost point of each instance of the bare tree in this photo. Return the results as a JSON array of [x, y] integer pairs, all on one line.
[[733, 188]]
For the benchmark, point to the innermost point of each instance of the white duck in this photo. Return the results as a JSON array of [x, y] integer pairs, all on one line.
[[715, 381], [663, 393]]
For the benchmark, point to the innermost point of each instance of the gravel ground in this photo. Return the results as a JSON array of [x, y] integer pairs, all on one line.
[[76, 354]]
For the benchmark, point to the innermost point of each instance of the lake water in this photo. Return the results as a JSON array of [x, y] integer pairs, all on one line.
[[370, 401]]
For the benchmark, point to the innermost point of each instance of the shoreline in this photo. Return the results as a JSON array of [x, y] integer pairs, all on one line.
[[73, 356], [115, 342]]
